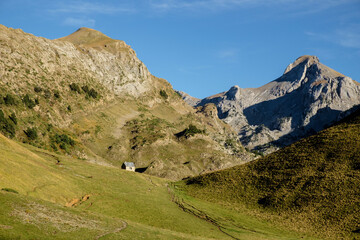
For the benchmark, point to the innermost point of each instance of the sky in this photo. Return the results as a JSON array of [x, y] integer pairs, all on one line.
[[204, 47]]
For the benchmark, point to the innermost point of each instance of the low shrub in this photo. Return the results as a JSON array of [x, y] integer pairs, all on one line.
[[9, 190], [63, 140], [189, 132], [75, 87], [31, 133], [28, 101], [38, 89], [10, 99], [6, 125], [164, 94], [93, 93], [56, 94], [85, 88]]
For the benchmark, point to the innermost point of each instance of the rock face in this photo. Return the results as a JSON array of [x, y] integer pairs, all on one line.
[[308, 97], [85, 54]]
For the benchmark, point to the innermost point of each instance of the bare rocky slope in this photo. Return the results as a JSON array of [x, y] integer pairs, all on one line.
[[89, 96], [308, 97]]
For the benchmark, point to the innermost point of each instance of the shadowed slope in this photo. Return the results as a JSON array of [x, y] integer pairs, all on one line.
[[314, 184]]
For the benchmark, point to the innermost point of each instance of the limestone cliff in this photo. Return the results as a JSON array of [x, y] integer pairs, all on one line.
[[308, 97]]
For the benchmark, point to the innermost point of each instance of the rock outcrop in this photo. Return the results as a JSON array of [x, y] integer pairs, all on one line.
[[308, 97], [192, 101]]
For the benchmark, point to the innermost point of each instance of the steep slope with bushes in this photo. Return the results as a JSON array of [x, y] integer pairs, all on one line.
[[89, 96]]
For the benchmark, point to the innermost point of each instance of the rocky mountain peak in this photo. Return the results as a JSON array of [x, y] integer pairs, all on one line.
[[308, 97], [88, 37], [303, 61]]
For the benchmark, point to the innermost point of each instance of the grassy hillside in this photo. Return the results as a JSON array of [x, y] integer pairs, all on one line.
[[88, 96], [48, 196], [310, 186]]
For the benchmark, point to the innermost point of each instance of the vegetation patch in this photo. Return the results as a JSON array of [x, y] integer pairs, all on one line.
[[10, 100], [30, 103], [163, 94], [38, 89], [189, 132], [63, 141], [31, 133], [75, 87], [7, 125], [9, 190]]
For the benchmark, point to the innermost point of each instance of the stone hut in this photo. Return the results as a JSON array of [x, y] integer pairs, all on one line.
[[128, 166]]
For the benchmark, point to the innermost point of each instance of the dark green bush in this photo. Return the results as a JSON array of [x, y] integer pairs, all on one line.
[[38, 89], [69, 108], [56, 94], [85, 88], [93, 93], [190, 131], [28, 101], [9, 99], [6, 125], [64, 141], [163, 94], [90, 92], [64, 146], [75, 87], [31, 133]]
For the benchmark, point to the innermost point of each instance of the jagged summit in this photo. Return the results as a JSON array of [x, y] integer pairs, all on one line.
[[305, 60]]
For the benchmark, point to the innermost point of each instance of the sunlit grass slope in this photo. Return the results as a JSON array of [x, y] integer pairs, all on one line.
[[115, 195], [311, 186], [49, 196]]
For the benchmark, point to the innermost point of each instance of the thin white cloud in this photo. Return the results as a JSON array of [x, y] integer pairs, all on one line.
[[167, 5], [298, 7], [346, 37], [84, 7], [349, 37], [227, 53], [79, 22]]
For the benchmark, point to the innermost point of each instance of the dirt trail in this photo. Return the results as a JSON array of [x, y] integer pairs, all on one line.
[[186, 207], [113, 231]]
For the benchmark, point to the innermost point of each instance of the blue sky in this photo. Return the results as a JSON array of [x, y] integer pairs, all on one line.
[[204, 47]]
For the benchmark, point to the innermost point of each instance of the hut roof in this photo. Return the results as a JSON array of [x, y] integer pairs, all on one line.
[[129, 164]]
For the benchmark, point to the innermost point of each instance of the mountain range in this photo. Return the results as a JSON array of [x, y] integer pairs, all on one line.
[[308, 97], [74, 109]]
